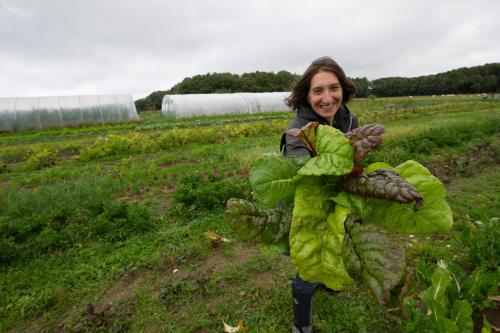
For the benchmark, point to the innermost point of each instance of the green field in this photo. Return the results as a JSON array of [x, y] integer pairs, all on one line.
[[102, 228]]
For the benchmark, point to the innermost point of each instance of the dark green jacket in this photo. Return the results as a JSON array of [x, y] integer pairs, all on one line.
[[343, 120]]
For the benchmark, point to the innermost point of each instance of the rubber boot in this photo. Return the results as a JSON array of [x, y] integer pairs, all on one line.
[[302, 310]]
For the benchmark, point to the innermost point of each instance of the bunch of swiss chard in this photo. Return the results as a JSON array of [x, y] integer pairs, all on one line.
[[344, 220]]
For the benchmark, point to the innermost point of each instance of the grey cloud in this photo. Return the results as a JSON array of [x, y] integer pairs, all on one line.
[[59, 46]]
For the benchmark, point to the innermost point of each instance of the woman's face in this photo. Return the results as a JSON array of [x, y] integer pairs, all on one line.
[[325, 94]]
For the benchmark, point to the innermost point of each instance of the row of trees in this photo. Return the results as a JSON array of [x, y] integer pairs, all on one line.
[[479, 79], [222, 83], [467, 80]]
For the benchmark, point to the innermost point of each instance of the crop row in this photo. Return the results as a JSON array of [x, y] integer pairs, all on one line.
[[25, 158], [368, 110], [42, 155]]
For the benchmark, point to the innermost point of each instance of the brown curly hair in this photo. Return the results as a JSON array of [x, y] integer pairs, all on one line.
[[298, 98]]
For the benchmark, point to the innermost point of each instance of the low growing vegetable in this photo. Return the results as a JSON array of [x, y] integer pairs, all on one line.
[[452, 300], [348, 221]]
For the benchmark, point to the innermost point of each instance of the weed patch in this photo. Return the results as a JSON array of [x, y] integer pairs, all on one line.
[[396, 151], [198, 192], [59, 217]]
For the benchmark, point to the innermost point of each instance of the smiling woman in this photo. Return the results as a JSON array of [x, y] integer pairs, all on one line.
[[325, 95], [320, 95]]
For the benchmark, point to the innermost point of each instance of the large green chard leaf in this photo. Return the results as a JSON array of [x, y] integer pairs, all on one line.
[[377, 165], [272, 180], [251, 223], [376, 255], [459, 319], [317, 237], [335, 154], [433, 216], [461, 315], [435, 296]]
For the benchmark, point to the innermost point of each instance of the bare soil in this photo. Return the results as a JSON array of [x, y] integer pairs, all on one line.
[[493, 317]]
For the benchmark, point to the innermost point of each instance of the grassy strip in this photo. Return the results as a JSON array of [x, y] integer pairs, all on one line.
[[424, 143], [467, 202]]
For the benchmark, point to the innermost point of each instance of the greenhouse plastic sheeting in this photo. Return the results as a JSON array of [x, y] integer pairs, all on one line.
[[27, 113], [178, 106]]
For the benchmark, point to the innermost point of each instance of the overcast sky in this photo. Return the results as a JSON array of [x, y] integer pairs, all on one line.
[[76, 47]]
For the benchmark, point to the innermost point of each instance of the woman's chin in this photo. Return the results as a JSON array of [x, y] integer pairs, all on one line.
[[326, 114]]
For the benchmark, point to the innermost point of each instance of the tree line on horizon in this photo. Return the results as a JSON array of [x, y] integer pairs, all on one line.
[[466, 80]]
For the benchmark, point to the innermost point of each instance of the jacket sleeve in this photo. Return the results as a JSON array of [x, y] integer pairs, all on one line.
[[294, 147]]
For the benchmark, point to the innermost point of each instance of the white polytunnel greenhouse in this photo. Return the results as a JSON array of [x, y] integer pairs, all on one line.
[[27, 113], [179, 106]]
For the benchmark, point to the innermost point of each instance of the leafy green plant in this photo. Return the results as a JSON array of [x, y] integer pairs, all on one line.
[[62, 216], [270, 225], [345, 216], [14, 155], [113, 144], [442, 314], [3, 167], [451, 301], [41, 159], [483, 241], [205, 192]]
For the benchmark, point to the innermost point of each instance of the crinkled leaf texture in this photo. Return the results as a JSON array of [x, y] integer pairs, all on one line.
[[376, 255], [335, 154], [251, 223], [434, 216], [317, 237], [272, 179], [307, 134]]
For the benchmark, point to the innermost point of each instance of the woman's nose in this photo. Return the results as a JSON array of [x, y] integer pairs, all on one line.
[[327, 97]]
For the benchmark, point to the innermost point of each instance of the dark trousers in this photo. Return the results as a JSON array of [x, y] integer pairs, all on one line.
[[302, 294]]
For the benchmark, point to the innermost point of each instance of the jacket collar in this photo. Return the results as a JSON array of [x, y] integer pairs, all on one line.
[[307, 113]]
